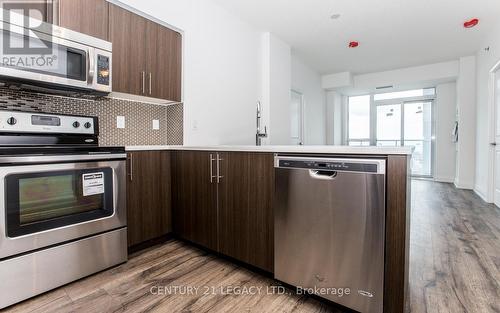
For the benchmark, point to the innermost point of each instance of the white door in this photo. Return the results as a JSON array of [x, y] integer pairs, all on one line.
[[296, 118], [497, 137]]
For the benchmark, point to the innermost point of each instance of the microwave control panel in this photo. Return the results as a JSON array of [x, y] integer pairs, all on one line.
[[103, 70]]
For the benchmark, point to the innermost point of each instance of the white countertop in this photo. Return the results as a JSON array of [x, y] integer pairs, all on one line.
[[285, 149]]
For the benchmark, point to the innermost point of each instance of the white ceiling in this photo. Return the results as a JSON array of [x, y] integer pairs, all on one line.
[[392, 33]]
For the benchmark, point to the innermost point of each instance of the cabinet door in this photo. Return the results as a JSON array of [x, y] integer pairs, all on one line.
[[194, 197], [245, 208], [127, 33], [234, 213], [261, 223], [40, 10], [90, 17], [164, 62], [148, 196]]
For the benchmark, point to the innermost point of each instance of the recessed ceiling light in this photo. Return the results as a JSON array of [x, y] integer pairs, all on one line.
[[335, 16]]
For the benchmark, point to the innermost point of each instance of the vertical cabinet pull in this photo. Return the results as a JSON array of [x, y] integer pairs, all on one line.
[[219, 176], [150, 83], [143, 82], [212, 168], [131, 165]]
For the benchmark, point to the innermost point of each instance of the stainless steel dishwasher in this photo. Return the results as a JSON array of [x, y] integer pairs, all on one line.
[[329, 228]]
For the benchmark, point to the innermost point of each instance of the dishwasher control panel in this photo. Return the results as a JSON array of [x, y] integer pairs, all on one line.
[[326, 164]]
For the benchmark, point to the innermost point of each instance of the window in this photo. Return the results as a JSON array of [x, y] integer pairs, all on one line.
[[402, 118], [359, 121], [405, 94]]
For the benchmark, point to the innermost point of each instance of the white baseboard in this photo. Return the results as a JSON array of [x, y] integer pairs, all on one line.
[[469, 186], [443, 179], [482, 194]]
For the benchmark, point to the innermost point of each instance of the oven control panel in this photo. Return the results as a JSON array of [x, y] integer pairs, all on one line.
[[34, 122]]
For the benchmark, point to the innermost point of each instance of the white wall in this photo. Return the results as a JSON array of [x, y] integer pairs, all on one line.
[[337, 80], [444, 71], [443, 76], [484, 166], [308, 82], [445, 116], [466, 110], [276, 86], [334, 118], [221, 75], [404, 78]]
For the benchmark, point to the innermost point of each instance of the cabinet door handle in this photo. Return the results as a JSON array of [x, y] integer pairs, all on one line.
[[212, 168], [150, 83], [219, 176], [143, 82], [131, 169]]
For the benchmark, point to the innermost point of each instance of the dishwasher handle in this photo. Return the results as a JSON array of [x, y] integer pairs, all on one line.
[[324, 175]]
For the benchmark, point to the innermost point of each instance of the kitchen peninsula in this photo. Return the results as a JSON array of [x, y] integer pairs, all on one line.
[[222, 199]]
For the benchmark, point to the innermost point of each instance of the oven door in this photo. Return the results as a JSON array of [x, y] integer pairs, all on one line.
[[43, 205]]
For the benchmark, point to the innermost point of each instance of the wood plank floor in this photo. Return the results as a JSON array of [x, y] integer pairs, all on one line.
[[454, 250], [127, 288], [454, 267]]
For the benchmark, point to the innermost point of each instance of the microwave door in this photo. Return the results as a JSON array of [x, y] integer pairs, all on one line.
[[44, 59]]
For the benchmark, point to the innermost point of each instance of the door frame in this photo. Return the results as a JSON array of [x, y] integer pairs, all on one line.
[[302, 113], [492, 112]]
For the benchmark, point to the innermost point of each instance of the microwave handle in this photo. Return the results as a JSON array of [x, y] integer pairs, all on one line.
[[91, 65]]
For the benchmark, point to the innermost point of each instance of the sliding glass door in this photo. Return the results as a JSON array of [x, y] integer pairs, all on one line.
[[407, 124], [418, 134], [389, 125], [392, 119]]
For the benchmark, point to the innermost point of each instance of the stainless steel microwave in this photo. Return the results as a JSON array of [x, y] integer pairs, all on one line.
[[50, 58]]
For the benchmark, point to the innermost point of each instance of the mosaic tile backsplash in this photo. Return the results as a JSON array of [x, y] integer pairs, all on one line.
[[138, 116]]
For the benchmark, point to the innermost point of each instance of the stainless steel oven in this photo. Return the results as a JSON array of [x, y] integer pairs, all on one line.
[[40, 55], [49, 200], [62, 203]]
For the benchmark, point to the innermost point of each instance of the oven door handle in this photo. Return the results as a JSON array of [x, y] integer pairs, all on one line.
[[60, 158]]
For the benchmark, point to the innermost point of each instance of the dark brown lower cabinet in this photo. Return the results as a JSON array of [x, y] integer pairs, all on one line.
[[148, 195], [194, 198], [231, 214], [245, 208]]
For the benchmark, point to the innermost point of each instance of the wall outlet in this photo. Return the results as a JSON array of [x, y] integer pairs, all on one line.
[[156, 124], [120, 122]]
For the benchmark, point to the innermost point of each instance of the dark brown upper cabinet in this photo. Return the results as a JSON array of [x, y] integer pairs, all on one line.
[[127, 33], [147, 57], [90, 17], [41, 10], [163, 62]]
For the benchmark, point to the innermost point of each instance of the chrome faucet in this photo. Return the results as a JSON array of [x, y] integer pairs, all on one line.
[[259, 135]]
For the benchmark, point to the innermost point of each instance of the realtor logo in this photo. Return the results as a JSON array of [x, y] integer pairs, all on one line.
[[26, 41]]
